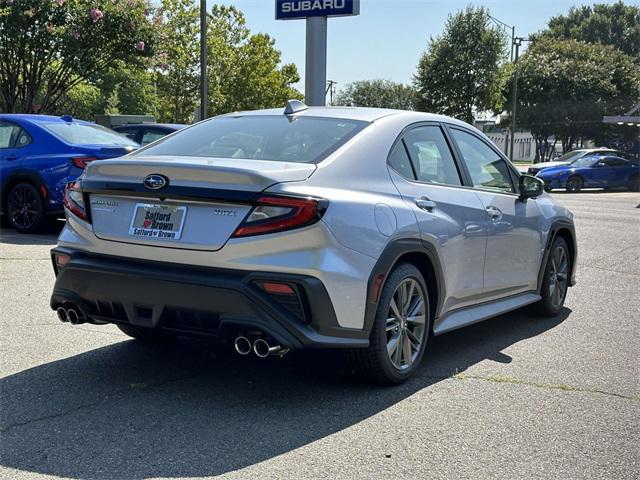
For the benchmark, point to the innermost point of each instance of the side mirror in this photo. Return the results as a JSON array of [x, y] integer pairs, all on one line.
[[530, 187]]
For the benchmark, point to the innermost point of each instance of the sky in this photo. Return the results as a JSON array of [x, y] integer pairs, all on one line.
[[388, 37]]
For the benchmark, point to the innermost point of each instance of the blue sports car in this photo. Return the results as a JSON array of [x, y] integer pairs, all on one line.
[[39, 155], [593, 171]]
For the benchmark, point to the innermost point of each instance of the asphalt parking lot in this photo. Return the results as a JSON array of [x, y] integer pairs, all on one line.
[[513, 397]]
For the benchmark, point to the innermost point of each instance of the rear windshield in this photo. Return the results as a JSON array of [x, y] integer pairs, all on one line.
[[570, 156], [87, 134], [301, 140]]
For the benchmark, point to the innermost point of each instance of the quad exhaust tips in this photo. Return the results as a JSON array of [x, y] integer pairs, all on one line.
[[72, 315], [62, 315], [242, 345], [260, 347]]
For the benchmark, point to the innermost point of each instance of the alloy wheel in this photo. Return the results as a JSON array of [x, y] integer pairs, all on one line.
[[406, 324], [574, 184], [558, 275], [23, 206]]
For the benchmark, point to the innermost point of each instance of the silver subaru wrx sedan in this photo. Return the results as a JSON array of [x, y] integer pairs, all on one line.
[[312, 227]]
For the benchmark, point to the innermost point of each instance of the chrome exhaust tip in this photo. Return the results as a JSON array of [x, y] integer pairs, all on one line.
[[62, 315], [74, 317], [262, 349], [242, 345]]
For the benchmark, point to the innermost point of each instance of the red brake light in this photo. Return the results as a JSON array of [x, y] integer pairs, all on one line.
[[277, 213], [74, 201], [82, 162]]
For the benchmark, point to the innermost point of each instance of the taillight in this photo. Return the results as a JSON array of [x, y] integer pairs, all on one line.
[[277, 213], [82, 162], [74, 201]]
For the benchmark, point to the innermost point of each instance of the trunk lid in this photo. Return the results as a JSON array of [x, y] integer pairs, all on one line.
[[201, 206]]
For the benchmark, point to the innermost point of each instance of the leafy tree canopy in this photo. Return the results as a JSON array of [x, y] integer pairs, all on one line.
[[566, 87], [378, 93], [49, 46], [460, 71], [244, 69], [615, 24]]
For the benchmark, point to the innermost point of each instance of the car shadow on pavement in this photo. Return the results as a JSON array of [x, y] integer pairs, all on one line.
[[49, 236], [131, 410]]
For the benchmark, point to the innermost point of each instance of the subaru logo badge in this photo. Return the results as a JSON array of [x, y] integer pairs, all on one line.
[[155, 181]]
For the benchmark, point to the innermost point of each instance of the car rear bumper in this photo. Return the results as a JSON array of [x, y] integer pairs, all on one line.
[[199, 300]]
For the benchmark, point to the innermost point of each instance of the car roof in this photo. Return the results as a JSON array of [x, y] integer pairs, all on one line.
[[366, 114], [175, 126], [36, 118]]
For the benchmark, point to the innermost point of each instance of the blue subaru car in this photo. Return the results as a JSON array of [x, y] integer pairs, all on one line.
[[593, 171], [39, 155]]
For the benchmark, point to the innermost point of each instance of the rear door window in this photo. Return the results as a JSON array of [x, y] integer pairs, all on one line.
[[400, 162], [13, 136], [130, 133], [614, 162], [151, 135], [431, 157]]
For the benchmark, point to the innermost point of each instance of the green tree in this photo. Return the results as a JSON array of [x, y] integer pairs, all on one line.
[[49, 46], [83, 101], [244, 69], [176, 67], [377, 93], [609, 24], [460, 71], [130, 89], [565, 87]]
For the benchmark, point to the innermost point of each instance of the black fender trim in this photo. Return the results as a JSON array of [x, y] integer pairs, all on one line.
[[553, 232], [389, 257]]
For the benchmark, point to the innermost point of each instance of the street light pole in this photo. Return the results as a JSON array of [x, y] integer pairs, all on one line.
[[203, 59], [505, 28], [516, 42]]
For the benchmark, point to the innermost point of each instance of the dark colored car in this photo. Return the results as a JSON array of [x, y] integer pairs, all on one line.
[[572, 156], [39, 155], [593, 171], [145, 133]]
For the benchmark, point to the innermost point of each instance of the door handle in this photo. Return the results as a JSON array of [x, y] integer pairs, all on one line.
[[424, 203], [11, 157], [494, 213]]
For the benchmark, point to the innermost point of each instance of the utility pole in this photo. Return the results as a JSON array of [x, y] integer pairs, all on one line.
[[512, 36], [330, 90], [517, 41], [203, 59]]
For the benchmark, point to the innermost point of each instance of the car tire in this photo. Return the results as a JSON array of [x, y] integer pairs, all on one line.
[[25, 208], [634, 183], [146, 334], [374, 363], [574, 184], [555, 281], [547, 189]]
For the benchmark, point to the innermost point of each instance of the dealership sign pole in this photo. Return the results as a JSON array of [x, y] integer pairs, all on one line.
[[315, 12]]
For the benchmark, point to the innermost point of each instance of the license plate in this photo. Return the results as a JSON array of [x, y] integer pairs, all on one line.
[[157, 221]]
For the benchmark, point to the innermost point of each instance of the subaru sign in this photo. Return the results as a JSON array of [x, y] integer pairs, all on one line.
[[289, 9]]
